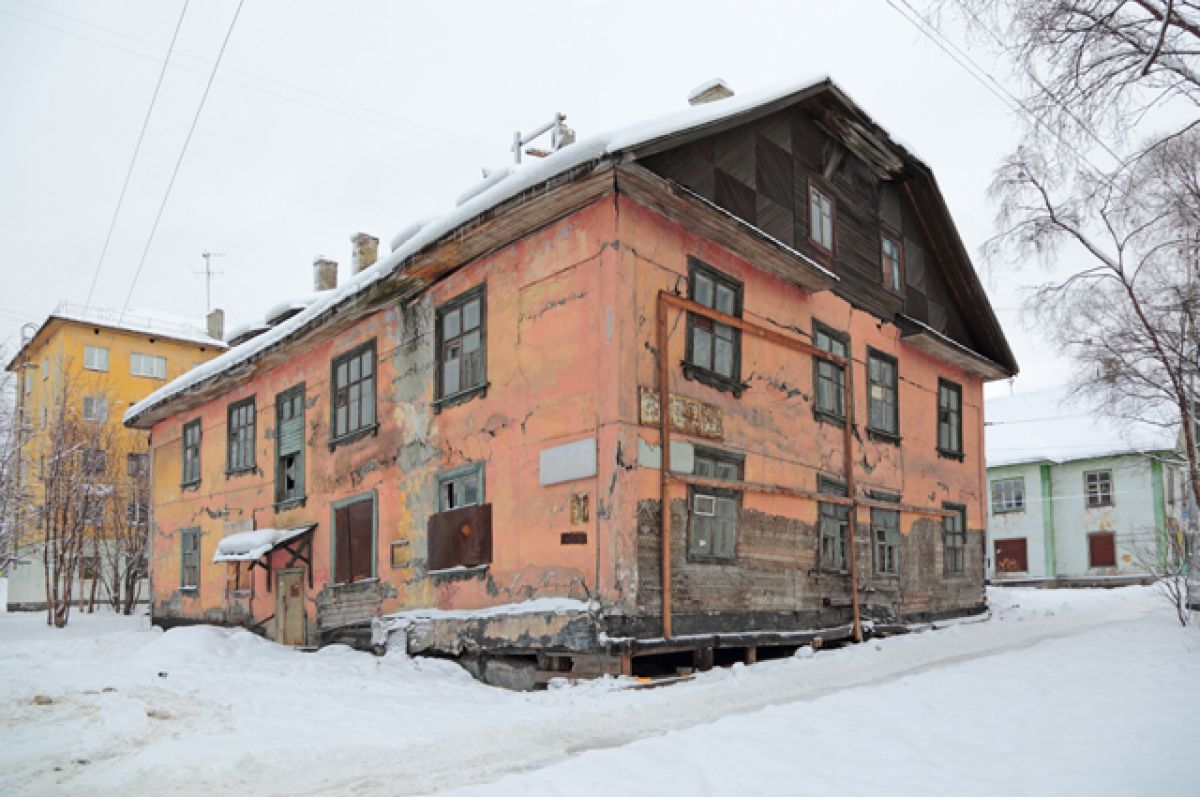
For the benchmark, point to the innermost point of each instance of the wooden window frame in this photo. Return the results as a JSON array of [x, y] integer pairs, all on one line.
[[363, 429], [886, 236], [1112, 535], [193, 534], [185, 480], [884, 435], [838, 513], [954, 566], [821, 413], [738, 461], [442, 400], [950, 453], [819, 189], [891, 541], [704, 374], [282, 501], [1006, 506], [231, 433], [1104, 498], [333, 537], [475, 469]]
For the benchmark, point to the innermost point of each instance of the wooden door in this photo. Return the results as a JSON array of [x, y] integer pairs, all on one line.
[[289, 606]]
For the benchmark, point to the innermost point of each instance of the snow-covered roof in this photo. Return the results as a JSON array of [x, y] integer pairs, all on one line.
[[1048, 426], [143, 322], [248, 546], [521, 178]]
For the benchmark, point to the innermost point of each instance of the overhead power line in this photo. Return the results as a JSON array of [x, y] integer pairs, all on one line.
[[179, 161], [387, 120], [112, 224]]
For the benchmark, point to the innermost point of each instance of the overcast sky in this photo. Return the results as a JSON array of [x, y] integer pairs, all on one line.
[[330, 118]]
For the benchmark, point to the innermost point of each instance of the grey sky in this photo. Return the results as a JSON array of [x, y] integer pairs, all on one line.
[[329, 118]]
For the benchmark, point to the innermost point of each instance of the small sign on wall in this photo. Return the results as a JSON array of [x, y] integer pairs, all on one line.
[[568, 462]]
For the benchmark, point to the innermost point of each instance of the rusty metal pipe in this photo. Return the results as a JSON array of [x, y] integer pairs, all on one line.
[[851, 492], [664, 427]]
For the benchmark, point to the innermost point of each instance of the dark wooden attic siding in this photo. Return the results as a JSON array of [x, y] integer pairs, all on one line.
[[745, 170]]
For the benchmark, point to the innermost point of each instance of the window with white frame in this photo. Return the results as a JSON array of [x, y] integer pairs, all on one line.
[[820, 207], [148, 365], [95, 358], [1008, 495], [95, 408]]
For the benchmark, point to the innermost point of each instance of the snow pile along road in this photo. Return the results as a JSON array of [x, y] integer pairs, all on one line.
[[1061, 692]]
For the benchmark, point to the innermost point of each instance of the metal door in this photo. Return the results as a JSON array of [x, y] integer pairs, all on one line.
[[289, 606]]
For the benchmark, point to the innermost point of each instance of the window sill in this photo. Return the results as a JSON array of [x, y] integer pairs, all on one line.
[[229, 474], [711, 559], [713, 379], [1008, 511], [291, 503], [190, 592], [823, 416], [458, 572], [957, 456], [880, 436], [189, 486], [358, 434], [461, 397]]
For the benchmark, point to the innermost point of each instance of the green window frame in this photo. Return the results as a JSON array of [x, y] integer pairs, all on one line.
[[355, 524], [833, 523], [190, 473], [829, 394], [352, 400], [189, 559], [883, 396], [713, 511], [461, 486], [714, 350], [289, 448], [461, 332], [1008, 495], [949, 419], [885, 540], [241, 426], [954, 540]]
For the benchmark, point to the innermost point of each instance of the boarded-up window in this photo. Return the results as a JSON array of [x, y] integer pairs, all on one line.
[[949, 415], [834, 526], [1099, 488], [191, 453], [954, 540], [354, 392], [289, 445], [827, 376], [714, 350], [714, 510], [882, 407], [240, 445], [462, 345], [354, 541], [1012, 556], [1102, 549], [189, 558], [460, 537]]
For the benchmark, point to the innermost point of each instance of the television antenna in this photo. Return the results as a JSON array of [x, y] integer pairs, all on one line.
[[208, 277]]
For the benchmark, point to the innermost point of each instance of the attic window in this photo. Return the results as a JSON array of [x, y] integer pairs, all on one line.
[[892, 257], [820, 215]]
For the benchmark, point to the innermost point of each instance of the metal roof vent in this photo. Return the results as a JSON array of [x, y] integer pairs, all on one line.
[[709, 91]]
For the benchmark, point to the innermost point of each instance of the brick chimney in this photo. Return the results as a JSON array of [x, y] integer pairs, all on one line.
[[216, 324], [324, 274], [366, 251]]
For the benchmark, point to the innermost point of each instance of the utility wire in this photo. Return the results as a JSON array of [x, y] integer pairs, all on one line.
[[399, 124], [179, 161], [112, 224]]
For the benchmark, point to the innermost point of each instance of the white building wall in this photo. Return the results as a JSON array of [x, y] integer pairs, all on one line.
[[1131, 517], [27, 584], [1025, 523]]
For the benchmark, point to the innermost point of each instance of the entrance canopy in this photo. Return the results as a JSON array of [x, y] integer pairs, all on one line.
[[250, 546]]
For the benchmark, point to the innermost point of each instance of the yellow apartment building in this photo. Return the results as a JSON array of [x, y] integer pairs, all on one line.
[[96, 363]]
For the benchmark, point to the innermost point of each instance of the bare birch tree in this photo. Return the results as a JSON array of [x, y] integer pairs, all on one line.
[[1108, 173], [126, 531]]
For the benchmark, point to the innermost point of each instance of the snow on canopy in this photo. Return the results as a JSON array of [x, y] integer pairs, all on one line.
[[247, 546], [532, 173], [1049, 426]]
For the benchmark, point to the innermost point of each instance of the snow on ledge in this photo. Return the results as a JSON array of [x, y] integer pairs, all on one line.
[[535, 606], [248, 546]]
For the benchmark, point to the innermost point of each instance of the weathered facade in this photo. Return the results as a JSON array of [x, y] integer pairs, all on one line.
[[733, 264]]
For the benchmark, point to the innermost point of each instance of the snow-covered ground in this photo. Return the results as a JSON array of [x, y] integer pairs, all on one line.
[[1061, 692]]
